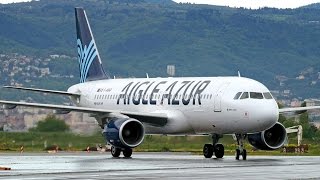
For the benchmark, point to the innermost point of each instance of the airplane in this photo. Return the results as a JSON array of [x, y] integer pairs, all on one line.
[[127, 109]]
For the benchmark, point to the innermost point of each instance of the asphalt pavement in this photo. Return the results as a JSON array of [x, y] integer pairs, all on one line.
[[96, 165]]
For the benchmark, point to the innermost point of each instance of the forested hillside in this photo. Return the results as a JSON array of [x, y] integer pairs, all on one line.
[[136, 37]]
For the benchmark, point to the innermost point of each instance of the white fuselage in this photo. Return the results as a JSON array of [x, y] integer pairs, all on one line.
[[197, 105]]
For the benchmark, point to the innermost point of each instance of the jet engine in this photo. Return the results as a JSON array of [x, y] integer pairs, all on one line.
[[124, 132], [270, 139]]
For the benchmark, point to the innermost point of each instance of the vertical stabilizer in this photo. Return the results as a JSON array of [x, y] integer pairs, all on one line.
[[89, 60]]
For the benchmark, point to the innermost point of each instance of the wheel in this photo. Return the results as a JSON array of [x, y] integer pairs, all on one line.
[[115, 152], [127, 152], [244, 154], [208, 150], [237, 154], [219, 150]]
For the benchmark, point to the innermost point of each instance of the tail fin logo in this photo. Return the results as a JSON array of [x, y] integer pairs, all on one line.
[[86, 55]]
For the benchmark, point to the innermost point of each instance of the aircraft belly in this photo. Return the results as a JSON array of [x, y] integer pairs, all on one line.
[[177, 123], [220, 123]]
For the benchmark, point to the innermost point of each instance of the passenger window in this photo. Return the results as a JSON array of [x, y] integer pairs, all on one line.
[[244, 95], [237, 95], [256, 95], [267, 95]]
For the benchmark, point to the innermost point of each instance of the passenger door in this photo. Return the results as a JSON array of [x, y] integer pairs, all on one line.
[[218, 97]]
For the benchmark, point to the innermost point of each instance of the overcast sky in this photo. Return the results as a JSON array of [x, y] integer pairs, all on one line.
[[254, 4], [236, 3]]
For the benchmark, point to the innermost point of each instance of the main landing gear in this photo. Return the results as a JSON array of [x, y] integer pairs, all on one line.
[[240, 151], [217, 149], [115, 152]]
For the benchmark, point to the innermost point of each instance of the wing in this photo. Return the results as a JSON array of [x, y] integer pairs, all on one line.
[[43, 90], [159, 119], [284, 110]]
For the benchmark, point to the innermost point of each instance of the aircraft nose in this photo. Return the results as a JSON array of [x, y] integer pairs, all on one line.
[[267, 114]]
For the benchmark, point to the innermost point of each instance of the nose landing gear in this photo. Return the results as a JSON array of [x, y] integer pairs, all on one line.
[[217, 149], [240, 151]]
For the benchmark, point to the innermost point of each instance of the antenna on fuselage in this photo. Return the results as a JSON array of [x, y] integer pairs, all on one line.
[[147, 75], [239, 75]]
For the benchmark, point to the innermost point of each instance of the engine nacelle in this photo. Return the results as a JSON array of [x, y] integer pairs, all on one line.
[[124, 132], [271, 139]]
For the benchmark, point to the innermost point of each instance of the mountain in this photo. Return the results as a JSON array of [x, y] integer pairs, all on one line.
[[161, 2], [136, 37], [313, 6]]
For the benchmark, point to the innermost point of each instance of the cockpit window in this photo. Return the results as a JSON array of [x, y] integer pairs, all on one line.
[[253, 95], [244, 95], [267, 95], [256, 95], [237, 95]]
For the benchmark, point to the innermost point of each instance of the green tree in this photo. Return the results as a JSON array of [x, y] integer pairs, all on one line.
[[282, 118], [289, 122], [309, 130], [51, 124]]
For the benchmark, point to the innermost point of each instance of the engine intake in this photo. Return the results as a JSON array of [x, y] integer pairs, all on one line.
[[270, 139], [124, 132]]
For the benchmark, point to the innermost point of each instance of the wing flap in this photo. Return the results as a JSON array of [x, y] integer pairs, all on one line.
[[43, 91], [159, 119]]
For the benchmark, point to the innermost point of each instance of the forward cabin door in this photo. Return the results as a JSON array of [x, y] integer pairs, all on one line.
[[218, 97]]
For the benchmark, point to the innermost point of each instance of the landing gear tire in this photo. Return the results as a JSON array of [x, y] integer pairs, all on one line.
[[127, 153], [115, 152], [219, 150], [208, 150], [240, 151], [237, 154], [244, 154]]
